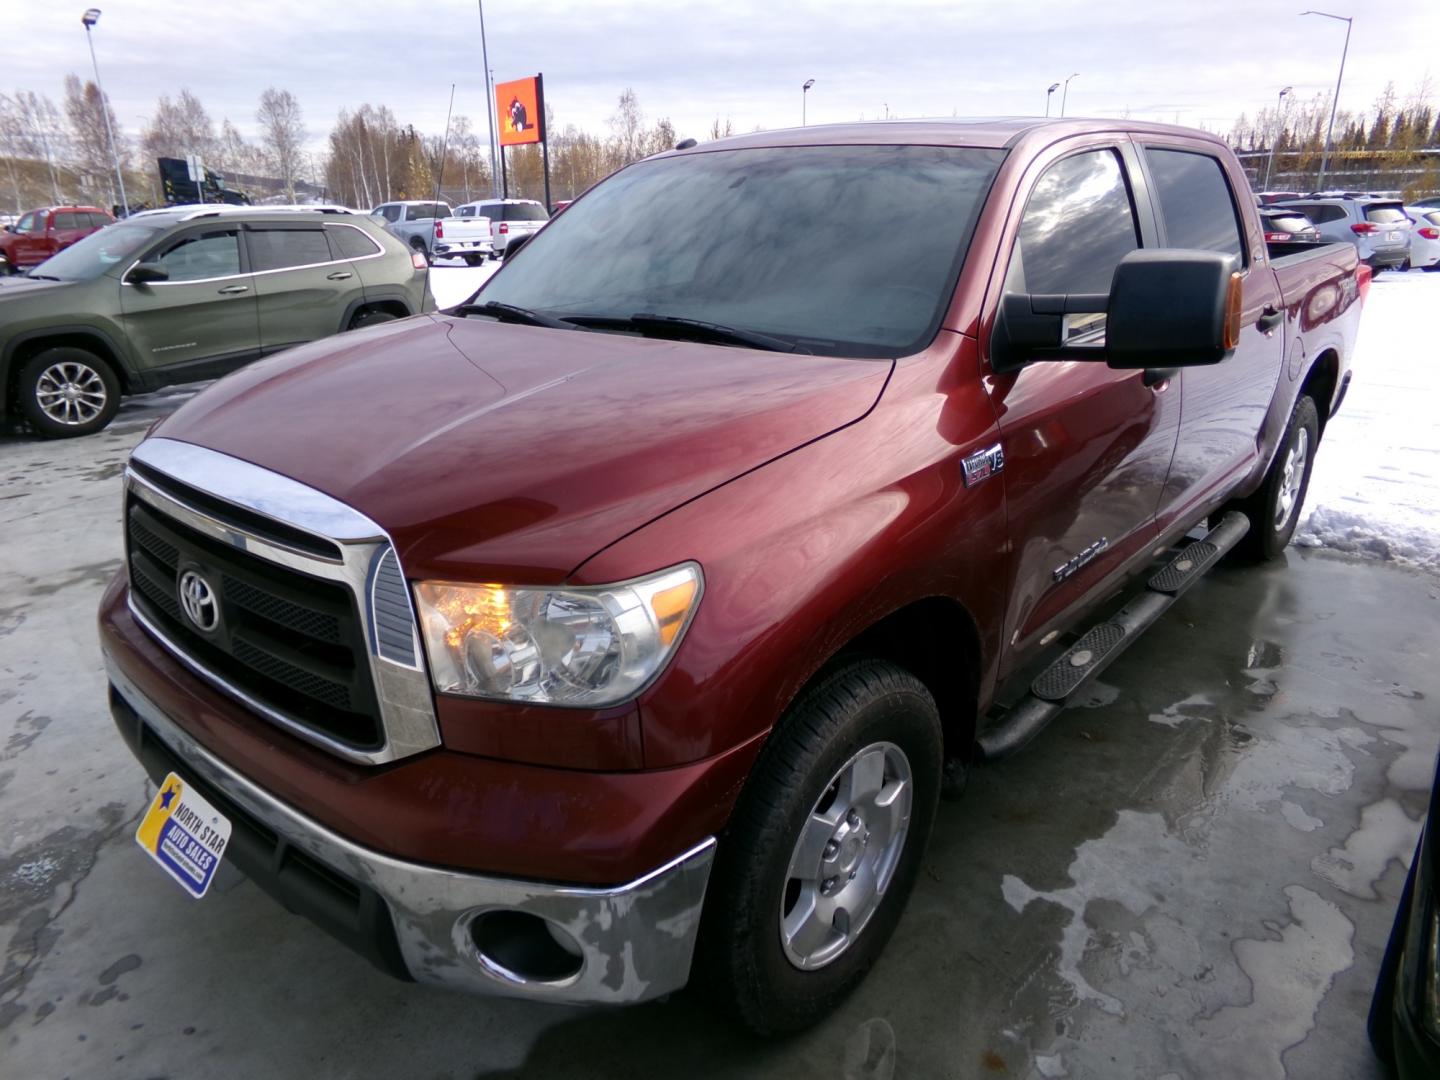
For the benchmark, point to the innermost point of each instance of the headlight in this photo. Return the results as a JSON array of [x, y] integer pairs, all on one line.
[[586, 646]]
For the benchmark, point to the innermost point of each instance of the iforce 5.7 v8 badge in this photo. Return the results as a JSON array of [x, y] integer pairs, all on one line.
[[185, 835]]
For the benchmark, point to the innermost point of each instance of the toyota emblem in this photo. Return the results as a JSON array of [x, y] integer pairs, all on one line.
[[198, 601]]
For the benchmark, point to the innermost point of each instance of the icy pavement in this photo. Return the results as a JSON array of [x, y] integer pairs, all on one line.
[[1376, 485]]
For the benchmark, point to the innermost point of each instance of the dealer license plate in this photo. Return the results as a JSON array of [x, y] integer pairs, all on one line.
[[185, 835], [1392, 236]]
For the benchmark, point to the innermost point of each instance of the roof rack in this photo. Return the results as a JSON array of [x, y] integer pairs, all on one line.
[[191, 211]]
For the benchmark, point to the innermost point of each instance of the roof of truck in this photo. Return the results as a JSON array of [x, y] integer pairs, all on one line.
[[993, 132]]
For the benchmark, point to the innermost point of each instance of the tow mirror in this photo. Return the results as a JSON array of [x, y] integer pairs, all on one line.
[[145, 273], [1167, 308], [516, 243]]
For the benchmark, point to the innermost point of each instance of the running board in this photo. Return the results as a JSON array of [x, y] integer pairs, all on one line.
[[1057, 685]]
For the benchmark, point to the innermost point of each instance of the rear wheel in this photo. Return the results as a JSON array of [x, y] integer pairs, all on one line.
[[417, 244], [823, 848], [474, 259], [370, 318], [65, 392], [1274, 511]]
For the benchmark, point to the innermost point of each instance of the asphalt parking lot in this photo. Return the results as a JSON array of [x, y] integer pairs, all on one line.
[[1192, 877]]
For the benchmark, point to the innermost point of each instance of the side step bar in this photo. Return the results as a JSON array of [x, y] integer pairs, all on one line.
[[1054, 687]]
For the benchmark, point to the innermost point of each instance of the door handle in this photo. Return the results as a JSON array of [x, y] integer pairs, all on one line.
[[1269, 319], [232, 290], [339, 275]]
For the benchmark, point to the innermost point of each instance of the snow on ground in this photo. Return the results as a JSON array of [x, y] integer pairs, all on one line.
[[453, 283], [1376, 485]]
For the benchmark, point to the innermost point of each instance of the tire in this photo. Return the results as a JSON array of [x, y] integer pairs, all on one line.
[[416, 244], [1274, 511], [66, 392], [5, 268], [473, 259], [865, 719], [363, 319]]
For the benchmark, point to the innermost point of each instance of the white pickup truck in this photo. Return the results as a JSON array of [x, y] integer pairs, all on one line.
[[430, 229]]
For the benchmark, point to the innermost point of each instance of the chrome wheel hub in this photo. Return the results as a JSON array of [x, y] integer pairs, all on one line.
[[845, 856], [1292, 479], [71, 393]]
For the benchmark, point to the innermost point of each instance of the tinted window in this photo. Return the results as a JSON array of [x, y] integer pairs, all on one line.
[[423, 211], [26, 223], [69, 219], [1194, 201], [1078, 225], [525, 212], [1433, 217], [203, 255], [275, 249], [350, 243], [1385, 215], [1320, 213], [802, 243]]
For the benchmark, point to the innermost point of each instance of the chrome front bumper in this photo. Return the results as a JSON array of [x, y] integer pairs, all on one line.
[[635, 941]]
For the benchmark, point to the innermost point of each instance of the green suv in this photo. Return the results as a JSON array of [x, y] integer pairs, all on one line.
[[189, 293]]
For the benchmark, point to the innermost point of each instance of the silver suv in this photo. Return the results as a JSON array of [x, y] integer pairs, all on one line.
[[1378, 227]]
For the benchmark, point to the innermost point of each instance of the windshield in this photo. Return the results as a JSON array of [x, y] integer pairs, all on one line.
[[841, 250], [98, 252]]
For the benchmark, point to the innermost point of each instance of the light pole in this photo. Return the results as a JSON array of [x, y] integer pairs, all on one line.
[[491, 119], [1279, 130], [1053, 87], [1330, 131], [1066, 92], [90, 18], [804, 91]]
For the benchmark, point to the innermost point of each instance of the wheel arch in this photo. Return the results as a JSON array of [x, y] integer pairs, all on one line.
[[936, 640], [394, 305], [1322, 382]]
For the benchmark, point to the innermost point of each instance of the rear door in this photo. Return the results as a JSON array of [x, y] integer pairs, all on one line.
[[1226, 403], [205, 311], [303, 291], [1086, 448]]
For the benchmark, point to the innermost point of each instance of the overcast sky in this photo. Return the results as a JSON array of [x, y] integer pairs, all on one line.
[[1198, 63]]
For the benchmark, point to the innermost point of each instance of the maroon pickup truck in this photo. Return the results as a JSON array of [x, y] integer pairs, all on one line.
[[41, 233], [627, 621]]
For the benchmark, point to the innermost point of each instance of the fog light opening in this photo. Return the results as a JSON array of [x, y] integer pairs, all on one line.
[[525, 948]]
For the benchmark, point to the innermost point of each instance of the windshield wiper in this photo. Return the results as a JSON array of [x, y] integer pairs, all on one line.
[[678, 326], [511, 313], [43, 277]]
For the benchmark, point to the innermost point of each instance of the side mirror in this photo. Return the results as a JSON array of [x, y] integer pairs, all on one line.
[[145, 273], [1167, 308], [10, 228], [516, 243]]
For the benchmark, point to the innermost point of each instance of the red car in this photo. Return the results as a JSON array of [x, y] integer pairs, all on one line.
[[628, 619], [41, 233]]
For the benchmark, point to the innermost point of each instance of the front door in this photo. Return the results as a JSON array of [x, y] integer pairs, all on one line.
[[29, 246], [302, 289], [1087, 448], [203, 313]]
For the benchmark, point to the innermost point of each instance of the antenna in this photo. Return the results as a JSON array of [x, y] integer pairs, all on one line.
[[439, 176]]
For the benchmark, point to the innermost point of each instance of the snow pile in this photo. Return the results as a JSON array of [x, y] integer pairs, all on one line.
[[1376, 485]]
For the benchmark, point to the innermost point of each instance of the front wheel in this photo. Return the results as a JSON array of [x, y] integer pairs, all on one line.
[[66, 392], [1274, 510], [823, 848]]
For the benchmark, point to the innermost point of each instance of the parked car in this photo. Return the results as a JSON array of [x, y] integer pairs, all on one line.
[[1288, 226], [464, 237], [1405, 1010], [1377, 227], [1267, 197], [625, 624], [413, 221], [177, 295], [1424, 236], [41, 233], [559, 205], [1431, 201], [509, 218]]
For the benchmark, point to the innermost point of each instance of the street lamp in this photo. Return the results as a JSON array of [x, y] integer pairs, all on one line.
[[1053, 87], [1066, 92], [90, 18], [1330, 131], [1279, 129], [804, 90]]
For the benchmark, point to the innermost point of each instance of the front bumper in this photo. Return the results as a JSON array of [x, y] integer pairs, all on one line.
[[626, 944]]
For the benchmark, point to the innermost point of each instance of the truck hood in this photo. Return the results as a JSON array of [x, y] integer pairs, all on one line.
[[516, 452]]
